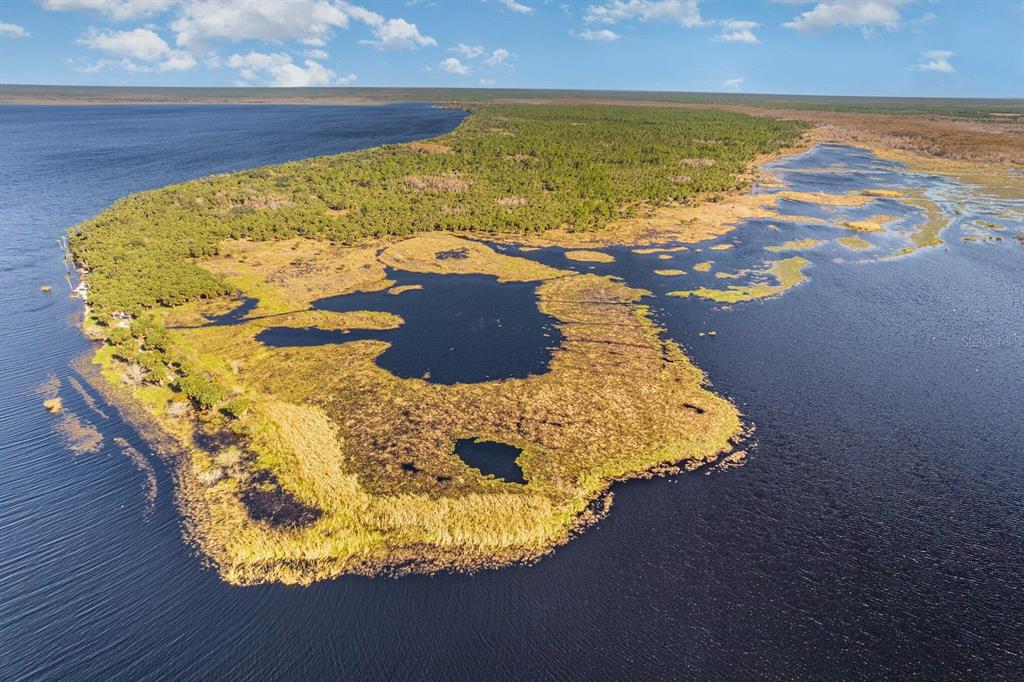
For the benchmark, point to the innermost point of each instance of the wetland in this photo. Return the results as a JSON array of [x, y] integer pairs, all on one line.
[[342, 446]]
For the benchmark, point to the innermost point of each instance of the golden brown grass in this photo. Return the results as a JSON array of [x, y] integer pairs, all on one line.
[[787, 273], [584, 256], [618, 401], [855, 243], [795, 245]]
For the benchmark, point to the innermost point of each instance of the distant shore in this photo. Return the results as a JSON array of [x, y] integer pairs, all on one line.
[[74, 94]]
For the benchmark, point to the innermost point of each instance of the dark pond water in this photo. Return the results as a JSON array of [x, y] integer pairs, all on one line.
[[492, 459], [457, 329], [877, 528]]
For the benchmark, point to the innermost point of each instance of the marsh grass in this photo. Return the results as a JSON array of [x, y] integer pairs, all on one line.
[[787, 274], [373, 454]]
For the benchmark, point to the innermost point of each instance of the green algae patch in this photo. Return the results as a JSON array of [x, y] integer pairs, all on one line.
[[787, 273], [855, 243], [585, 256], [795, 245], [704, 266]]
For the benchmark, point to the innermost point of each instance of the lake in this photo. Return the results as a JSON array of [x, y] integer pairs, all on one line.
[[876, 528]]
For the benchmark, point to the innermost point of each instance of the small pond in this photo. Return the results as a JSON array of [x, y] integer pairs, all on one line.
[[490, 458]]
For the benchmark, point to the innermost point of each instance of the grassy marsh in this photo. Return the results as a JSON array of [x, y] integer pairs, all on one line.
[[787, 274]]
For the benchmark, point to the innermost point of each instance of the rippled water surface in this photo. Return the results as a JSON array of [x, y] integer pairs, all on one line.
[[877, 527]]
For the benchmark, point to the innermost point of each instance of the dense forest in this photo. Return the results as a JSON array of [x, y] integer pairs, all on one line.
[[506, 168]]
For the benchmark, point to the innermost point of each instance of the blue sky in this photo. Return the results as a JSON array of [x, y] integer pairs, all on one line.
[[963, 48]]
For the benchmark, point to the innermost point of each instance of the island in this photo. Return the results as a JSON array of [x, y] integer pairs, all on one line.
[[263, 328]]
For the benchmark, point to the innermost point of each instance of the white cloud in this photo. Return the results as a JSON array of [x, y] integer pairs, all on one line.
[[138, 45], [499, 56], [12, 30], [487, 81], [468, 51], [516, 6], [732, 84], [863, 14], [735, 31], [600, 35], [918, 24], [317, 54], [278, 70], [683, 12], [453, 65], [203, 20], [119, 10], [935, 60], [399, 34], [310, 22]]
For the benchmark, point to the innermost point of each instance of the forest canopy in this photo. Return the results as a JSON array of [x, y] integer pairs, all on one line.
[[505, 169]]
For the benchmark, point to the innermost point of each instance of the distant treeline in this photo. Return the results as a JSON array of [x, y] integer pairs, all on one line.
[[506, 168], [992, 109]]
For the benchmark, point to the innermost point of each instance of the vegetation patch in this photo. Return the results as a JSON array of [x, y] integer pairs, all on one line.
[[825, 199], [795, 245], [873, 224], [669, 272], [855, 243], [590, 256], [787, 274], [79, 435]]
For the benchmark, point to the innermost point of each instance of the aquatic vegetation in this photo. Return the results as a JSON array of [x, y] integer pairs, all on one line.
[[703, 266], [795, 245], [669, 272], [826, 199], [79, 435], [787, 273], [54, 405], [396, 290], [926, 234], [584, 256], [721, 247], [873, 224], [806, 220], [658, 249], [855, 243]]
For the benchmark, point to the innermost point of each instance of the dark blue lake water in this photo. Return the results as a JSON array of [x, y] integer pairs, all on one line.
[[877, 528]]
